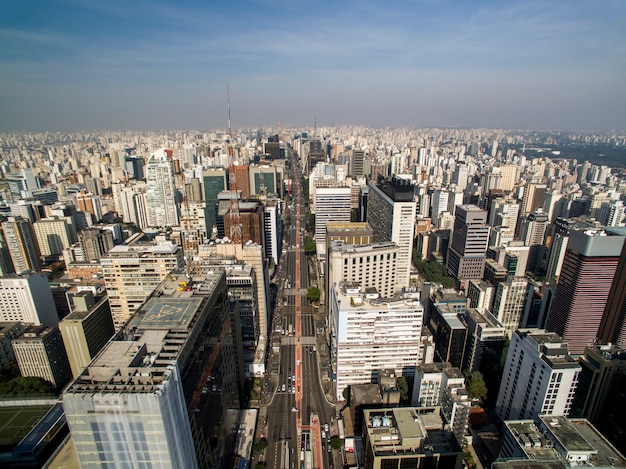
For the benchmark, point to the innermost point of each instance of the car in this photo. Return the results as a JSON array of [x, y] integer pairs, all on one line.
[[283, 388], [325, 427]]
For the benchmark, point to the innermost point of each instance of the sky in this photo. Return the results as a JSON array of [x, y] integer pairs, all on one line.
[[71, 65]]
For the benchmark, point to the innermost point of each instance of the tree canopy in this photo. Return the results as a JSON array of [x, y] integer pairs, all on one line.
[[309, 246], [22, 386], [475, 384], [432, 271], [313, 294]]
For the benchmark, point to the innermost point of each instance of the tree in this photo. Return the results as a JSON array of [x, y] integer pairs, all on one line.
[[475, 384], [310, 247], [313, 294], [260, 445], [335, 442], [346, 395], [403, 387]]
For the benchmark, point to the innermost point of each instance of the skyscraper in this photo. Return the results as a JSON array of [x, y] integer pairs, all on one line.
[[467, 252], [27, 298], [613, 323], [558, 247], [584, 285], [532, 233], [539, 377], [22, 243], [391, 214], [509, 302], [141, 401], [213, 182], [132, 272], [332, 204], [161, 195]]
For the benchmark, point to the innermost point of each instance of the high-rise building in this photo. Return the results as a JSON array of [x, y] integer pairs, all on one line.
[[332, 205], [486, 338], [19, 236], [532, 232], [539, 377], [168, 382], [586, 277], [532, 199], [372, 266], [449, 334], [86, 329], [91, 204], [39, 352], [602, 379], [391, 214], [53, 235], [273, 229], [558, 246], [470, 238], [161, 194], [357, 163], [611, 213], [95, 243], [387, 331], [241, 174], [509, 302], [613, 324], [27, 298], [8, 332], [132, 272]]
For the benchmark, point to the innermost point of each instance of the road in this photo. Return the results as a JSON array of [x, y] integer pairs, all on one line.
[[290, 411]]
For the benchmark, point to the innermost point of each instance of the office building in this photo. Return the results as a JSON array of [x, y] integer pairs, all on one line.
[[53, 235], [480, 294], [332, 205], [39, 352], [132, 272], [467, 252], [611, 213], [391, 214], [449, 334], [427, 384], [357, 167], [273, 229], [168, 382], [372, 266], [408, 437], [90, 205], [558, 246], [95, 243], [241, 175], [532, 232], [513, 256], [214, 180], [86, 329], [266, 180], [386, 331], [8, 332], [540, 377], [161, 195], [510, 301], [613, 324], [21, 241], [27, 298], [486, 338], [581, 296]]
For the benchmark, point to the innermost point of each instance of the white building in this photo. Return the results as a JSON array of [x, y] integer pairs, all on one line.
[[370, 265], [53, 235], [611, 213], [369, 333], [509, 302], [27, 298], [162, 206], [540, 377], [132, 272], [332, 204], [427, 385], [391, 213]]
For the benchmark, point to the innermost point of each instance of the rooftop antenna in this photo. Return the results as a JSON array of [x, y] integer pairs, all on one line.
[[233, 209]]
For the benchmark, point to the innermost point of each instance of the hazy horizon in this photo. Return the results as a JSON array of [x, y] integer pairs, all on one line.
[[72, 65]]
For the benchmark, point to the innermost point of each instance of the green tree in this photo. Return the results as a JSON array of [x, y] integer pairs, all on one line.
[[259, 465], [22, 386], [310, 247], [403, 387], [260, 445], [335, 442], [475, 384], [346, 395], [313, 294]]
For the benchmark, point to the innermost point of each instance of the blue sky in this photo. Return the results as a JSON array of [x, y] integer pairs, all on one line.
[[115, 65]]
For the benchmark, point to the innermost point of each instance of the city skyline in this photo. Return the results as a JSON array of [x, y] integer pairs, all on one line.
[[71, 66]]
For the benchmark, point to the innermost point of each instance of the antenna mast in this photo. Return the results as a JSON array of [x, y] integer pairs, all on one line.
[[233, 209]]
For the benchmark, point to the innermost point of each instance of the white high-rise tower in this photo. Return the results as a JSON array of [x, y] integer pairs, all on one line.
[[162, 207]]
